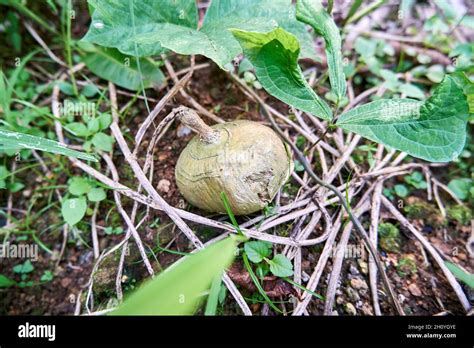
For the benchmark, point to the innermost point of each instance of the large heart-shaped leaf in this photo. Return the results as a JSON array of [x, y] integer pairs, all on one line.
[[275, 57], [111, 65], [146, 27], [434, 130]]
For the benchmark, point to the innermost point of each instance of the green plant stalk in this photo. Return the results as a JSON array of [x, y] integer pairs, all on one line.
[[68, 47], [130, 4], [366, 11], [303, 288], [355, 6], [225, 200], [330, 6], [212, 299], [20, 7], [459, 273], [257, 283]]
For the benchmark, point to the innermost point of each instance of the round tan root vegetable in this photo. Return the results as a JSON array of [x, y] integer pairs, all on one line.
[[244, 159]]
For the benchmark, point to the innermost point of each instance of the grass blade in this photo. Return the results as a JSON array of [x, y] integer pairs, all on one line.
[[466, 278], [14, 140], [318, 296], [181, 288], [257, 284], [231, 214], [213, 298]]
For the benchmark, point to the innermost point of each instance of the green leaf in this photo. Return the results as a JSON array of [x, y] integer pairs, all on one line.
[[257, 250], [417, 180], [460, 274], [280, 266], [467, 86], [401, 190], [411, 91], [159, 25], [6, 282], [460, 187], [212, 300], [103, 141], [111, 65], [14, 140], [275, 57], [77, 128], [90, 90], [180, 289], [24, 268], [312, 12], [79, 186], [15, 186], [93, 125], [105, 120], [73, 210], [66, 88], [257, 284], [47, 276], [97, 194], [435, 73], [434, 130]]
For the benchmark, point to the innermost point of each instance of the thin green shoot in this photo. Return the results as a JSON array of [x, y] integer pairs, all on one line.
[[213, 298], [303, 288], [257, 283], [225, 200]]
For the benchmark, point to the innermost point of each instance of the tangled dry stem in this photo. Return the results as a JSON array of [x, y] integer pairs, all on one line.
[[308, 207]]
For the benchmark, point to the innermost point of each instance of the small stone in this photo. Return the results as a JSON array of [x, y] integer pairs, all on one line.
[[367, 309], [182, 131], [65, 282], [415, 290], [359, 284], [339, 300], [350, 309], [401, 298], [353, 269], [164, 185], [353, 295], [364, 267]]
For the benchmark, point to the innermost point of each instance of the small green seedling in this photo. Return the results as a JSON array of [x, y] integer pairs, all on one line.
[[82, 190]]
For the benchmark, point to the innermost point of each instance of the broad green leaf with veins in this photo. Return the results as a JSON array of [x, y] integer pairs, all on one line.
[[173, 25], [433, 130], [275, 58], [110, 64], [313, 13]]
